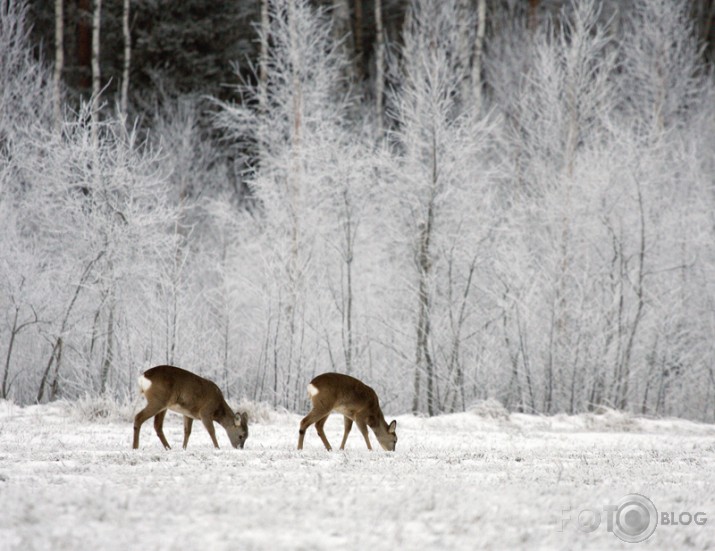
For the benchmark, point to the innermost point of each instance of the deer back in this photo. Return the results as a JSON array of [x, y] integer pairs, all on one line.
[[184, 392]]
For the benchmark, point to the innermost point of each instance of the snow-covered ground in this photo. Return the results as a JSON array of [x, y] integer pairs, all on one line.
[[462, 481]]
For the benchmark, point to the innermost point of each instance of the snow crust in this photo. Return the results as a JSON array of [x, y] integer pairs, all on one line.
[[461, 481]]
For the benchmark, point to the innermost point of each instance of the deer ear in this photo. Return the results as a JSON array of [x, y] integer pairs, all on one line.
[[392, 427], [244, 418]]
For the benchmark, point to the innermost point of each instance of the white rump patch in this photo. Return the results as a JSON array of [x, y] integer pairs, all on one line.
[[312, 390], [144, 383]]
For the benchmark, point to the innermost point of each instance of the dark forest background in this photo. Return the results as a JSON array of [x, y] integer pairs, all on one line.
[[200, 49]]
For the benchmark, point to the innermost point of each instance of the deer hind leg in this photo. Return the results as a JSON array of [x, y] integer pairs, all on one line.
[[188, 423], [348, 426], [159, 428], [209, 424], [363, 429], [319, 427], [313, 417], [149, 411]]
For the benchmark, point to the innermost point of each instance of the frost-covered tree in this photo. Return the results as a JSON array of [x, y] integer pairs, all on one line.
[[662, 76], [441, 196], [554, 117], [595, 178], [99, 223], [528, 219], [26, 84], [663, 89], [297, 130], [24, 99], [83, 229]]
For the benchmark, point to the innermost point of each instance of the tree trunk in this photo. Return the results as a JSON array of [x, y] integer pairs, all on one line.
[[526, 360], [294, 177], [84, 44], [533, 21], [455, 361], [6, 374], [124, 99], [424, 261], [640, 294], [109, 352], [359, 46], [296, 140], [96, 75], [46, 373], [349, 244], [464, 53], [263, 59], [55, 386], [264, 37], [59, 62], [57, 348], [16, 329], [341, 25], [479, 54], [379, 69], [514, 382]]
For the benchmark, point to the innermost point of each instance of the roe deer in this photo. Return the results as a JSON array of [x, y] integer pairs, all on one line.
[[356, 401], [168, 387]]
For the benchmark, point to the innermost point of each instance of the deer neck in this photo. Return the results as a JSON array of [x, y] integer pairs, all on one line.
[[224, 414], [377, 422]]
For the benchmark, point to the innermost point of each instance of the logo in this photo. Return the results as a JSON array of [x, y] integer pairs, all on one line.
[[632, 519], [635, 518]]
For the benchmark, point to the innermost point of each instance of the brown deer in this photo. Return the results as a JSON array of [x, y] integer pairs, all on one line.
[[168, 387], [356, 401]]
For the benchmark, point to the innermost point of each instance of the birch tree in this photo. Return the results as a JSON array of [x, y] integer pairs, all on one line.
[[59, 61], [99, 219], [96, 70], [379, 70], [439, 169], [296, 134], [126, 35]]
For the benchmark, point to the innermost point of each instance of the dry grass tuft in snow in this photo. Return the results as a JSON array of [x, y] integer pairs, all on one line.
[[490, 408], [262, 412], [100, 409]]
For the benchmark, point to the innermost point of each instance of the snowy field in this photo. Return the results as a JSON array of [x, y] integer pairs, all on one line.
[[69, 480]]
